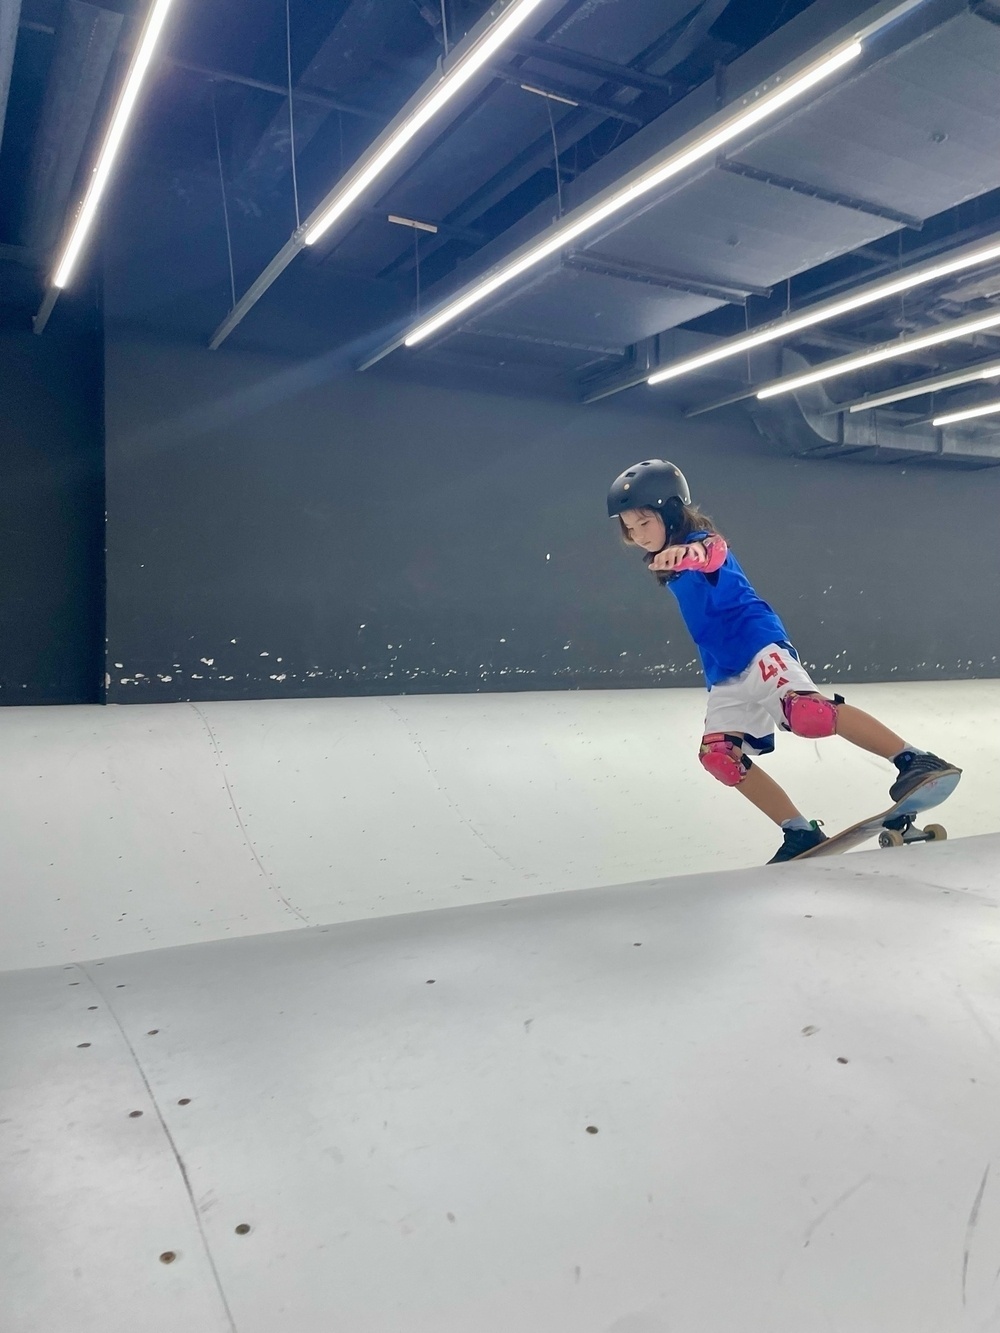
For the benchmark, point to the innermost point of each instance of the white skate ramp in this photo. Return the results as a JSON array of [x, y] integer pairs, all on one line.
[[747, 1102], [138, 828]]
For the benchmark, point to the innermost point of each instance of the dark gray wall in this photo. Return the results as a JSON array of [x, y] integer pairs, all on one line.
[[51, 515], [283, 527]]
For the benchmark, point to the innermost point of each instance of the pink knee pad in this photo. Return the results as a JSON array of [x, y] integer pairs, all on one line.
[[722, 756], [810, 715]]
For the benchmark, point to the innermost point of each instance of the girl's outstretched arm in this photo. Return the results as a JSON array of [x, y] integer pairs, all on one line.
[[705, 554]]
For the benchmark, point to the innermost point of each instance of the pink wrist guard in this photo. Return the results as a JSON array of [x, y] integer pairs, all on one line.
[[717, 552]]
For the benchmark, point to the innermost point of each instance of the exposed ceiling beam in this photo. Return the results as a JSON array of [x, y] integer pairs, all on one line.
[[810, 191], [315, 96], [841, 342], [373, 173], [572, 128], [22, 255], [468, 235], [10, 17], [592, 261], [647, 182], [537, 340], [679, 45], [575, 126], [353, 30], [624, 75], [563, 92]]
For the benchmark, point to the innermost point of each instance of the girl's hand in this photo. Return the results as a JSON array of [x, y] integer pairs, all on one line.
[[692, 555]]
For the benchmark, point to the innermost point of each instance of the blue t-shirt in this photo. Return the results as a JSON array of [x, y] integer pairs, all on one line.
[[727, 620]]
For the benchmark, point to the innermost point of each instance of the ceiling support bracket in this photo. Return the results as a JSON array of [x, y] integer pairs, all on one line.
[[626, 77], [608, 266], [810, 191]]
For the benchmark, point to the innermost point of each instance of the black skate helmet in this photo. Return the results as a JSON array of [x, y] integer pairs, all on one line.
[[655, 484]]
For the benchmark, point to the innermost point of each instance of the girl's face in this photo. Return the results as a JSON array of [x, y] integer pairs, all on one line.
[[646, 528]]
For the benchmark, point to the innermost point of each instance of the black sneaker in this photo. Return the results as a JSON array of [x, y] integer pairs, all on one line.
[[797, 841], [913, 768]]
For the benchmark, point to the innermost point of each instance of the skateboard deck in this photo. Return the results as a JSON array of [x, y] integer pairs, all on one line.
[[895, 826]]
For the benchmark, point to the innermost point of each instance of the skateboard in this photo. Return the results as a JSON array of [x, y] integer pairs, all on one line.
[[896, 826]]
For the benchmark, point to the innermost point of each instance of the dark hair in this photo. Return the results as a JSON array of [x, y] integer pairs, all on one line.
[[691, 520]]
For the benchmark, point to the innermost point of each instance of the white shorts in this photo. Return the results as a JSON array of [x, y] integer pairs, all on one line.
[[751, 703]]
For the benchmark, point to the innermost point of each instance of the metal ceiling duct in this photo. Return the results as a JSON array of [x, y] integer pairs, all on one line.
[[808, 425]]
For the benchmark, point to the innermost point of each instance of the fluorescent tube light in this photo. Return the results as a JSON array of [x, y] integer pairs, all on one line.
[[759, 109], [784, 328], [450, 85], [113, 142], [885, 352], [983, 410], [919, 387]]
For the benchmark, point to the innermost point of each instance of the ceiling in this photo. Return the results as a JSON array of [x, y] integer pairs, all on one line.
[[892, 163]]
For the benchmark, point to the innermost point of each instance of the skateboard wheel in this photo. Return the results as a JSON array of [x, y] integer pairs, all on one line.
[[936, 832], [890, 837]]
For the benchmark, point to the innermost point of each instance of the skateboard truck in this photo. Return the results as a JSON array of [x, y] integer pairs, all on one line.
[[895, 827], [896, 832]]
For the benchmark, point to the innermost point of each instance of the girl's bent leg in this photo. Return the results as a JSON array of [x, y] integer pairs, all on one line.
[[867, 732], [767, 796]]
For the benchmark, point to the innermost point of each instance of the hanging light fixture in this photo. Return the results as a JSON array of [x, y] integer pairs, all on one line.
[[884, 352], [871, 294], [983, 410]]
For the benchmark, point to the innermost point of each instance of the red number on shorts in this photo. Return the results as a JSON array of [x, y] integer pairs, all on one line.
[[769, 670]]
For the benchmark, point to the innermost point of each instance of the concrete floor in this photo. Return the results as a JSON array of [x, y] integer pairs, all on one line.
[[750, 1101]]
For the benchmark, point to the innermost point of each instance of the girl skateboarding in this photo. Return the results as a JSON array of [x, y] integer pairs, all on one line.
[[755, 679]]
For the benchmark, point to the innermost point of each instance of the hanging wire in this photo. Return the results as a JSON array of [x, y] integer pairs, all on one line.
[[225, 201], [598, 153], [555, 151], [781, 14], [444, 26], [416, 263], [291, 110]]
